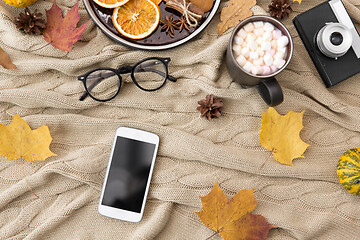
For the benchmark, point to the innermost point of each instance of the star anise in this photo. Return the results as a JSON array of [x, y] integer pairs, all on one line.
[[182, 23], [169, 25]]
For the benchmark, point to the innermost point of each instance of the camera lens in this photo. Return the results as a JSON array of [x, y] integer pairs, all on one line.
[[336, 38]]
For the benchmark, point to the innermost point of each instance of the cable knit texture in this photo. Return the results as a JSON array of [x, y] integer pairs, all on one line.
[[305, 201]]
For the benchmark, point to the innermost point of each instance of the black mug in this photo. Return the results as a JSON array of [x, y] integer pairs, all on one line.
[[267, 85]]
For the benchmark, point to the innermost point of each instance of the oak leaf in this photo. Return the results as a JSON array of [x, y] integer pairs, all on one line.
[[62, 33], [232, 219], [17, 140], [236, 11], [280, 134], [5, 60]]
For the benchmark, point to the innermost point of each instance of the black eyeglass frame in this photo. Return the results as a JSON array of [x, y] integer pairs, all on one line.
[[124, 70]]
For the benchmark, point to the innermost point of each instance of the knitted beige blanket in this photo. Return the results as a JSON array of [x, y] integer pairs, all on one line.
[[305, 201]]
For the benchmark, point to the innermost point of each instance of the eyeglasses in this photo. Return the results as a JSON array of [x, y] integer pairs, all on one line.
[[103, 84]]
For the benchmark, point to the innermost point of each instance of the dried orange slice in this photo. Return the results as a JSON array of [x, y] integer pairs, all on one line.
[[136, 19], [157, 1], [110, 3]]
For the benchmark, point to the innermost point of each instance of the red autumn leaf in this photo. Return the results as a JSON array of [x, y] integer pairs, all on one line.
[[62, 32]]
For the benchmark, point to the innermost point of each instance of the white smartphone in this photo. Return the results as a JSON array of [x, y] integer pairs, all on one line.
[[128, 174]]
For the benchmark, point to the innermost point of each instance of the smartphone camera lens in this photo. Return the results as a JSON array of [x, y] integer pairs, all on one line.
[[336, 38]]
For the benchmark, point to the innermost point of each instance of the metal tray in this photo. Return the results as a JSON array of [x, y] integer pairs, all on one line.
[[158, 40]]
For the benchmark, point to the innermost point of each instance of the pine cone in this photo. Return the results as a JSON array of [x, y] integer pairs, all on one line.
[[280, 9], [211, 107], [30, 23]]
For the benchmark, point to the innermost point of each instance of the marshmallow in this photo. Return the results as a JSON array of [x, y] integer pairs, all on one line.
[[268, 59], [272, 52], [238, 40], [267, 37], [250, 37], [282, 41], [248, 66], [253, 45], [279, 63], [249, 27], [274, 68], [273, 44], [241, 60], [266, 70], [259, 40], [282, 50], [237, 49], [276, 34], [254, 55], [259, 31], [259, 24], [242, 33], [260, 52], [245, 52], [259, 62], [266, 46], [279, 55], [256, 70], [268, 27]]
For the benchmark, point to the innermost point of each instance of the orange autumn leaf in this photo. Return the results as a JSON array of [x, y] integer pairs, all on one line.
[[18, 141], [299, 1], [232, 219], [62, 32]]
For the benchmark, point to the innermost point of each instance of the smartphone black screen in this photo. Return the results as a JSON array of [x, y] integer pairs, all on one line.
[[128, 174]]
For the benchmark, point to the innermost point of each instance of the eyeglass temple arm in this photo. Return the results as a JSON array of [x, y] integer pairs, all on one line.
[[83, 96], [85, 93], [102, 77], [171, 78], [144, 66]]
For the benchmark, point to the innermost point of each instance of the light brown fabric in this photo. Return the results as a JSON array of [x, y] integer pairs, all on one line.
[[305, 201]]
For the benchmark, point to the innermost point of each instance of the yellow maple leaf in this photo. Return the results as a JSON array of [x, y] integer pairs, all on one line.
[[232, 219], [299, 1], [17, 140], [280, 134]]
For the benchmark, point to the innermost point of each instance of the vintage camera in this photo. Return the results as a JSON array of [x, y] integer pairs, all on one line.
[[331, 40]]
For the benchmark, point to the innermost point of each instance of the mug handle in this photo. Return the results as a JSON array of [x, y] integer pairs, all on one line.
[[270, 91]]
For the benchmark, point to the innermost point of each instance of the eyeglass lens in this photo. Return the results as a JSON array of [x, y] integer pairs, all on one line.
[[103, 84], [151, 74]]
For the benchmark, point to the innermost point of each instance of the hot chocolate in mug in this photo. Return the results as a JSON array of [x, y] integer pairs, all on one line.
[[260, 47]]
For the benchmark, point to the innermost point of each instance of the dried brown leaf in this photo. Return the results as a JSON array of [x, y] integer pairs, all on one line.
[[236, 11], [5, 60]]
